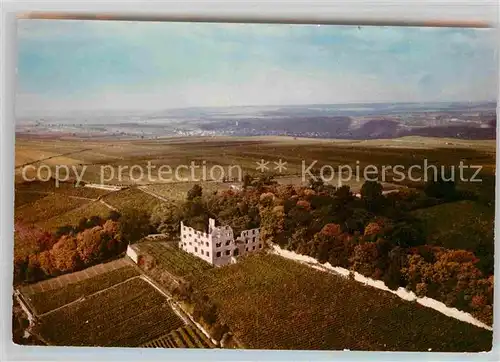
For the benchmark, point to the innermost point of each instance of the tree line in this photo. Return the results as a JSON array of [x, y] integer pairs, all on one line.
[[375, 234], [71, 248]]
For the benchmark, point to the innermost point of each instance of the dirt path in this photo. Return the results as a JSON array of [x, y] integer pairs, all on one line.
[[51, 157], [108, 205]]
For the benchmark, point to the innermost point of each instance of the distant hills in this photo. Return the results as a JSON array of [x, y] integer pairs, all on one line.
[[342, 121]]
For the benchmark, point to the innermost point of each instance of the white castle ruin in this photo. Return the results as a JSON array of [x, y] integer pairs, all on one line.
[[219, 246]]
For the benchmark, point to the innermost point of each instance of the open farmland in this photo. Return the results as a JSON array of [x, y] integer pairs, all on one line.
[[127, 314], [172, 259], [245, 152], [132, 198], [72, 217], [62, 188], [273, 303], [178, 191], [458, 225], [30, 192], [266, 301], [49, 207], [46, 208]]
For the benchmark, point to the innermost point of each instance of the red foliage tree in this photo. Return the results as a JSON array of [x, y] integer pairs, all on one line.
[[65, 255], [46, 263], [331, 230], [32, 238], [91, 245], [111, 228], [306, 205]]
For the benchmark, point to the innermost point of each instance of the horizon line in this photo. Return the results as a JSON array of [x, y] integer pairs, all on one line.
[[264, 105]]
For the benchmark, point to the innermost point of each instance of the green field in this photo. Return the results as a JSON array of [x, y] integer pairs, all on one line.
[[458, 225], [132, 198], [273, 303], [72, 217], [178, 191], [172, 259]]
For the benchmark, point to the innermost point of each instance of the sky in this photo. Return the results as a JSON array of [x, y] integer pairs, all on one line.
[[66, 65]]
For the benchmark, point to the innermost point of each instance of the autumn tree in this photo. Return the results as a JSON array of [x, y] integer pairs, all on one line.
[[331, 230], [64, 254], [46, 263], [303, 204], [91, 245], [32, 238], [372, 229], [272, 224], [364, 259], [332, 245]]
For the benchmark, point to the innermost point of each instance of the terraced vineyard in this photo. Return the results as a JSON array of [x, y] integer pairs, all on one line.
[[184, 337], [270, 302], [172, 259], [51, 299], [127, 314]]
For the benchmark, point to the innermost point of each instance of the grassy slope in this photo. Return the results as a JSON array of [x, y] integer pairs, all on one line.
[[172, 259], [458, 225], [46, 208], [133, 198], [178, 191], [72, 217]]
